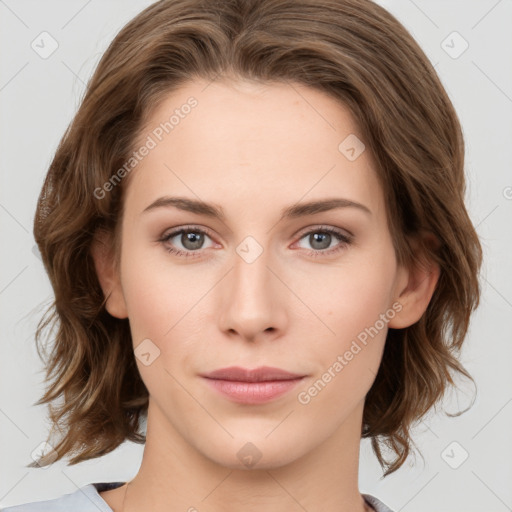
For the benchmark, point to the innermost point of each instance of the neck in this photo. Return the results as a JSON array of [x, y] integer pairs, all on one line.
[[175, 476]]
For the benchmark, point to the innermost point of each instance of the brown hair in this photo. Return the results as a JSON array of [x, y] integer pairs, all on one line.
[[353, 50]]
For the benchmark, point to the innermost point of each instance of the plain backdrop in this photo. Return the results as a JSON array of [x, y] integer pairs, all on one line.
[[467, 461]]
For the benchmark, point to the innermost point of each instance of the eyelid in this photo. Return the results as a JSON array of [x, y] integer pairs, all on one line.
[[169, 233], [324, 227]]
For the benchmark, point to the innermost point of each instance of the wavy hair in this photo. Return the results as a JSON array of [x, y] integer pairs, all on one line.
[[353, 50]]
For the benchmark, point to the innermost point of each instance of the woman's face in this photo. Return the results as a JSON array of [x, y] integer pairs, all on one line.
[[288, 263]]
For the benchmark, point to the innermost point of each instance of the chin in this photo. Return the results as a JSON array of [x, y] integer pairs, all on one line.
[[256, 452]]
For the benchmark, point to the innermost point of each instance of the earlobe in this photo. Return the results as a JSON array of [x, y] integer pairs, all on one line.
[[108, 276], [416, 287]]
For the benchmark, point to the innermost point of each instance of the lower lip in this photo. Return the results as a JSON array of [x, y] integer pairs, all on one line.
[[253, 392]]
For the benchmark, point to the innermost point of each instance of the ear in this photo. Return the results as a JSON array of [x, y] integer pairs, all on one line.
[[102, 252], [415, 287]]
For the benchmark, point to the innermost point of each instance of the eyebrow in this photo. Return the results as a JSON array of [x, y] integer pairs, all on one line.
[[216, 212]]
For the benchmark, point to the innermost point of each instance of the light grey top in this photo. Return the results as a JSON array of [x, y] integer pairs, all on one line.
[[87, 499]]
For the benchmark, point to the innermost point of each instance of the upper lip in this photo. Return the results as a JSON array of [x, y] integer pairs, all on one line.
[[261, 374]]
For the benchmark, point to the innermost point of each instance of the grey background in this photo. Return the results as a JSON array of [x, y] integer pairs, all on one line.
[[38, 98]]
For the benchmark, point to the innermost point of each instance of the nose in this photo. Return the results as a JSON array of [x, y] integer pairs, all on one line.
[[253, 304]]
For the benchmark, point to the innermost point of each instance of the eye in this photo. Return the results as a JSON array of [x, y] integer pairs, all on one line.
[[188, 240], [321, 240], [185, 241]]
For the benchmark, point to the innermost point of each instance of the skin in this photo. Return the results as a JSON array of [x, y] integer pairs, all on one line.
[[254, 150]]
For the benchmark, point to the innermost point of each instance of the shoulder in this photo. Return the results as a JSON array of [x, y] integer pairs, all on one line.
[[376, 504], [84, 499]]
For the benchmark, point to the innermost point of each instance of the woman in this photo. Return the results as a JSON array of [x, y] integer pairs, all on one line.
[[256, 234]]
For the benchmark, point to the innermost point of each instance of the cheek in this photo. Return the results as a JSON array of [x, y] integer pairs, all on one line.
[[351, 296], [354, 303], [348, 358], [158, 293], [163, 305]]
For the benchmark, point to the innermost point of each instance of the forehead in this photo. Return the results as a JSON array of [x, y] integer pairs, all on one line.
[[265, 144]]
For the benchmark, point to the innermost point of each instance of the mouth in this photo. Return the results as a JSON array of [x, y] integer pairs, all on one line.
[[260, 385]]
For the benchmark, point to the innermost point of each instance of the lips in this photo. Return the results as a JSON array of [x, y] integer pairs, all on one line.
[[251, 387], [262, 374]]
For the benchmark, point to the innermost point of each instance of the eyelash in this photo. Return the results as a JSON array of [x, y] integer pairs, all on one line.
[[345, 240]]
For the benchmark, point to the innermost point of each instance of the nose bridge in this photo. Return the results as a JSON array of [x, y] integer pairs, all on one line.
[[251, 302]]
